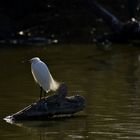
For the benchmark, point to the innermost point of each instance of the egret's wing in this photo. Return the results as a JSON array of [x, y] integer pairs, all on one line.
[[41, 75]]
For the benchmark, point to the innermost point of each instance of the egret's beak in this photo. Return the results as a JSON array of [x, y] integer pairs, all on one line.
[[29, 61], [26, 61]]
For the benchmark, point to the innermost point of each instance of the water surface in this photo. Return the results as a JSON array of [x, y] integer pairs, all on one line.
[[109, 79]]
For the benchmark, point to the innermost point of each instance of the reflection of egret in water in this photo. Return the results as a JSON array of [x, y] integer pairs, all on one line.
[[65, 127]]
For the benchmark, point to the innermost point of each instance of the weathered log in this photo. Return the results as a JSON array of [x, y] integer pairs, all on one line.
[[57, 104]]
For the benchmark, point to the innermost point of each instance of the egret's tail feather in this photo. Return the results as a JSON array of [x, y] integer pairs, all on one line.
[[54, 85]]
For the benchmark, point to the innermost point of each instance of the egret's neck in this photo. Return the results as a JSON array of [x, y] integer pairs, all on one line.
[[35, 61]]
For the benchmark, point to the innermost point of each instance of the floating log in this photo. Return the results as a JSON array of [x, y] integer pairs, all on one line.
[[57, 104]]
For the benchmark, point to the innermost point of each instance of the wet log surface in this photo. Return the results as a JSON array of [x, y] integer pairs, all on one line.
[[57, 104]]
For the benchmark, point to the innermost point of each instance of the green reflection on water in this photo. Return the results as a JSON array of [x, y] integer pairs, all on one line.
[[108, 79]]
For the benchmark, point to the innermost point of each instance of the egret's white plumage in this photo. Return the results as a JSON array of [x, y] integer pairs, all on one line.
[[42, 75]]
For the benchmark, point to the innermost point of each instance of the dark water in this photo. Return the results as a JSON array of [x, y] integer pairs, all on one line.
[[109, 79]]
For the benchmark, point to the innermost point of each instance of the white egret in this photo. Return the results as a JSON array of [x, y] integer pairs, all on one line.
[[42, 76]]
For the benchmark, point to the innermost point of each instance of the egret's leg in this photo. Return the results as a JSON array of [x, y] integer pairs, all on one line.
[[40, 92], [44, 94]]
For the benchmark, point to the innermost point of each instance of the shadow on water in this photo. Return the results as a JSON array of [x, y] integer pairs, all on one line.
[[51, 122], [109, 79]]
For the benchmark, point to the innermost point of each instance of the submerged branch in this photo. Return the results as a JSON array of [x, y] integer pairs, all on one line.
[[121, 31]]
